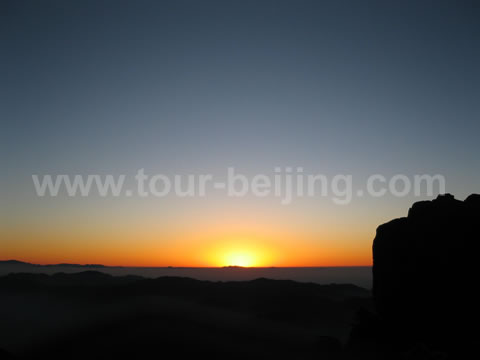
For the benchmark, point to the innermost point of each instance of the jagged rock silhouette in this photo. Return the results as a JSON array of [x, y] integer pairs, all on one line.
[[425, 273]]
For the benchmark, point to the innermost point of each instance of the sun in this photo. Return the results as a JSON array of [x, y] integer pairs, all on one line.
[[242, 259]]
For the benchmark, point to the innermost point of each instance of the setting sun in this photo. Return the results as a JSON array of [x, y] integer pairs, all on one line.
[[239, 259], [245, 250]]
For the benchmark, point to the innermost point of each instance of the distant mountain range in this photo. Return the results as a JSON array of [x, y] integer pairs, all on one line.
[[16, 262], [360, 276], [170, 285]]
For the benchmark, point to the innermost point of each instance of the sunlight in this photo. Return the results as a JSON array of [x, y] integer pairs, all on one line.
[[239, 250], [239, 259]]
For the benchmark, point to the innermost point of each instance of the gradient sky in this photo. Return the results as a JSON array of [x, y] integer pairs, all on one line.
[[191, 87]]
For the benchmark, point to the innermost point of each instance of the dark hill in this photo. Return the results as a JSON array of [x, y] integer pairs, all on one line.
[[94, 315]]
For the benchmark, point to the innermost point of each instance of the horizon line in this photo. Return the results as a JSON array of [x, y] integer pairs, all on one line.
[[181, 267]]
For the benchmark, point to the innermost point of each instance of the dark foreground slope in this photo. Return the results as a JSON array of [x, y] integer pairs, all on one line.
[[94, 315], [425, 284]]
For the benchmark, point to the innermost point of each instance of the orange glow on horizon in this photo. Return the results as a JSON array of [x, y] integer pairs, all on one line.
[[216, 248]]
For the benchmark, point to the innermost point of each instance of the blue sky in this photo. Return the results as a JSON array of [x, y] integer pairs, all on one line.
[[192, 87]]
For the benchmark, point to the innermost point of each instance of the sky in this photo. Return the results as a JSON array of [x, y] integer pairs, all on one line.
[[195, 87]]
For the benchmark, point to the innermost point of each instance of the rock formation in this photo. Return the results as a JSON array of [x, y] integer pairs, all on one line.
[[425, 272]]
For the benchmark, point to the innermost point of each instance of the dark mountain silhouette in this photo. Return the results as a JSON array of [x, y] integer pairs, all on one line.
[[13, 262], [424, 283], [23, 263], [175, 285], [358, 275], [95, 315]]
